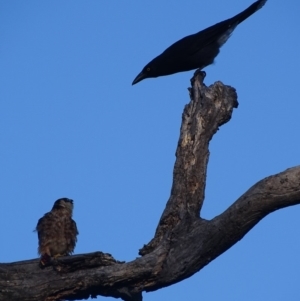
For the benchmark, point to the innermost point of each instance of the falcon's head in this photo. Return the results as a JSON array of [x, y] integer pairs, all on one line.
[[63, 203]]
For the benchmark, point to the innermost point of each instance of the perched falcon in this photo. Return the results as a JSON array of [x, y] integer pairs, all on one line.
[[57, 231]]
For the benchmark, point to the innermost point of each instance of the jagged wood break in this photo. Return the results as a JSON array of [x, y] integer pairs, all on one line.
[[184, 242]]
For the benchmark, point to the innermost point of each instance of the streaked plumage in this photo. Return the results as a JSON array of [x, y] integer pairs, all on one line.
[[57, 231]]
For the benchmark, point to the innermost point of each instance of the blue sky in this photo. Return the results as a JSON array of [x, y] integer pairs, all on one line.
[[71, 125]]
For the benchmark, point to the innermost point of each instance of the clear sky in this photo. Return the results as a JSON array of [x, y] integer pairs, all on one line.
[[71, 125]]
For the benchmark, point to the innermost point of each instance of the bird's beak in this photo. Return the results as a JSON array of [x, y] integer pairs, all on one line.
[[140, 77]]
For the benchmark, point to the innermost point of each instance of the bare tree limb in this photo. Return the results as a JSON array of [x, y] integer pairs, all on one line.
[[184, 242]]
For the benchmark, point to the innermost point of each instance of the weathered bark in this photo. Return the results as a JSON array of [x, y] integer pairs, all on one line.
[[184, 242]]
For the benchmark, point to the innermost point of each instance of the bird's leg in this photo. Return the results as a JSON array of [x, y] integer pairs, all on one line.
[[45, 260], [58, 255], [198, 72]]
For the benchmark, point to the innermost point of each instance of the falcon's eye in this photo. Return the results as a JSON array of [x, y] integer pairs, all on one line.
[[148, 69]]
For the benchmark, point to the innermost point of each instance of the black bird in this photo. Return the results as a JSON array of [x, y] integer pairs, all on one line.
[[198, 50]]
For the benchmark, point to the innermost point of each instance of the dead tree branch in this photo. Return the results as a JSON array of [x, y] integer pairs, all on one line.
[[184, 242]]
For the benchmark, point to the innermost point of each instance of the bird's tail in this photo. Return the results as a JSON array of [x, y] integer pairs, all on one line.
[[248, 11], [220, 32]]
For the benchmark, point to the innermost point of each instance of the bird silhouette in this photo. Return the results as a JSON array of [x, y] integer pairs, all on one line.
[[196, 51]]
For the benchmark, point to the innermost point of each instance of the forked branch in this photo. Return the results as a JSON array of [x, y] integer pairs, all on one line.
[[184, 242]]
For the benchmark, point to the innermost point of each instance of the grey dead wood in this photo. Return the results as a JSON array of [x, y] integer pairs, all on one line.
[[183, 242]]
